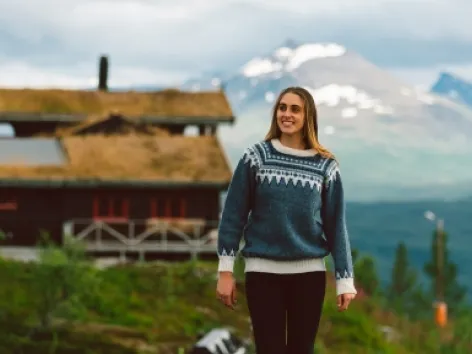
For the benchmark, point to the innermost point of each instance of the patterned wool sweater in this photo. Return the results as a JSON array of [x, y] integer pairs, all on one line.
[[287, 207]]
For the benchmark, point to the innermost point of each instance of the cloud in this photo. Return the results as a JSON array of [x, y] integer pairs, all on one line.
[[130, 28], [166, 40], [156, 27], [21, 74], [421, 19]]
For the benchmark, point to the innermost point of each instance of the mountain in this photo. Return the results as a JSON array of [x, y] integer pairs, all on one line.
[[453, 87], [392, 140]]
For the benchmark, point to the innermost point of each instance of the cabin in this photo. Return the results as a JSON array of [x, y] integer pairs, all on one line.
[[116, 170]]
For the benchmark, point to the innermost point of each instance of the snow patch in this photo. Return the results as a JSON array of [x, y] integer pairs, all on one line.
[[425, 98], [366, 104], [260, 66], [423, 95], [384, 110], [287, 59], [420, 93], [308, 52], [405, 91], [283, 53], [349, 112], [333, 95]]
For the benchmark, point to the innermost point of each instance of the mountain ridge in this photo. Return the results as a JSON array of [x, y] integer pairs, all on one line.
[[454, 87], [407, 139]]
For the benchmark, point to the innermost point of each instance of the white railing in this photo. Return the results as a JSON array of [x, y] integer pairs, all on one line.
[[192, 236]]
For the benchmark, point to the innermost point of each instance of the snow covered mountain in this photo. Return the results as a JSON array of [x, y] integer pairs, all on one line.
[[453, 87], [392, 141]]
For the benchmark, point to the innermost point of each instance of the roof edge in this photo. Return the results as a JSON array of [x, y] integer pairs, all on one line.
[[184, 119], [13, 117], [92, 183], [46, 117]]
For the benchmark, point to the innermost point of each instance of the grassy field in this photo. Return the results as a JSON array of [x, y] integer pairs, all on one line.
[[161, 307]]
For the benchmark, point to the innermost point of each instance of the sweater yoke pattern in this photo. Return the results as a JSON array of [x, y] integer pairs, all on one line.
[[304, 171]]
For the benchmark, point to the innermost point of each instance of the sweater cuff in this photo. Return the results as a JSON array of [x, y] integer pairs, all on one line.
[[345, 286], [226, 264]]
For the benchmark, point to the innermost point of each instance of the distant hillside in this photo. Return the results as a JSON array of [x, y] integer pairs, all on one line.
[[377, 228], [453, 87]]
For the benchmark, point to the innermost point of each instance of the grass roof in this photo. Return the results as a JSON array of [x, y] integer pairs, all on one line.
[[117, 124], [133, 157], [165, 103]]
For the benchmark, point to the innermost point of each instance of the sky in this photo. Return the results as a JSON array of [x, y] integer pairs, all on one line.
[[56, 43]]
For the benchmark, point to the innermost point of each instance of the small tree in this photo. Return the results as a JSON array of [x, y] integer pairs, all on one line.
[[60, 279], [444, 282], [355, 255], [366, 274], [403, 281]]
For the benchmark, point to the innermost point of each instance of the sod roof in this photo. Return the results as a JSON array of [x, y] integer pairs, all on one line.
[[131, 104], [131, 157]]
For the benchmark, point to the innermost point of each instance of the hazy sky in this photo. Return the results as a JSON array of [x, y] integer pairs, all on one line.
[[57, 42]]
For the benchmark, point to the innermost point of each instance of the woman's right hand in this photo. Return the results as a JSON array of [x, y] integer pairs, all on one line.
[[226, 289]]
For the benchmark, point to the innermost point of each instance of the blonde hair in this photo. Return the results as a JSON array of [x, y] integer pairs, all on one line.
[[310, 126]]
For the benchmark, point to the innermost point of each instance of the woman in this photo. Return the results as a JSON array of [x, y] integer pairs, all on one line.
[[286, 192]]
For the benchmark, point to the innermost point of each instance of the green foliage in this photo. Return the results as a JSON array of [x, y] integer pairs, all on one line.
[[138, 297], [355, 255], [366, 274], [462, 342], [61, 341], [80, 308], [38, 294], [60, 281], [403, 282], [353, 331], [454, 293]]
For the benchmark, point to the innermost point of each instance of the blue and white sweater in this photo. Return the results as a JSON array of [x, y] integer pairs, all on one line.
[[288, 208]]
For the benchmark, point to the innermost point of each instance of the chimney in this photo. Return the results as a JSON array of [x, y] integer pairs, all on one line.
[[103, 74]]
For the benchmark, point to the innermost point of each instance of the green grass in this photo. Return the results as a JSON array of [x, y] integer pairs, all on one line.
[[162, 305]]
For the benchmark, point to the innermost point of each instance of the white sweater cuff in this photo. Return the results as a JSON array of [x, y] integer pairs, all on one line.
[[226, 264], [345, 286]]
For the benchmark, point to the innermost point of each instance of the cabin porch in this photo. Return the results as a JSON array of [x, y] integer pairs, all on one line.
[[145, 237]]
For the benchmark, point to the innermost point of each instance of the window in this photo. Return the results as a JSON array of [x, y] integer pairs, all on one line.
[[168, 208], [110, 208], [8, 201]]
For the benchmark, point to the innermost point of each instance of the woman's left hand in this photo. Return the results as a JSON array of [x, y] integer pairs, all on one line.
[[344, 300]]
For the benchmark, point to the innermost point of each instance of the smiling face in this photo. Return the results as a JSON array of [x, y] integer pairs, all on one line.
[[291, 114], [294, 115]]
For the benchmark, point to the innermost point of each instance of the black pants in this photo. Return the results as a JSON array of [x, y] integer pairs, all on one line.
[[285, 310]]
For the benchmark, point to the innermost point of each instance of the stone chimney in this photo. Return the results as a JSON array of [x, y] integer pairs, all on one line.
[[103, 73]]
